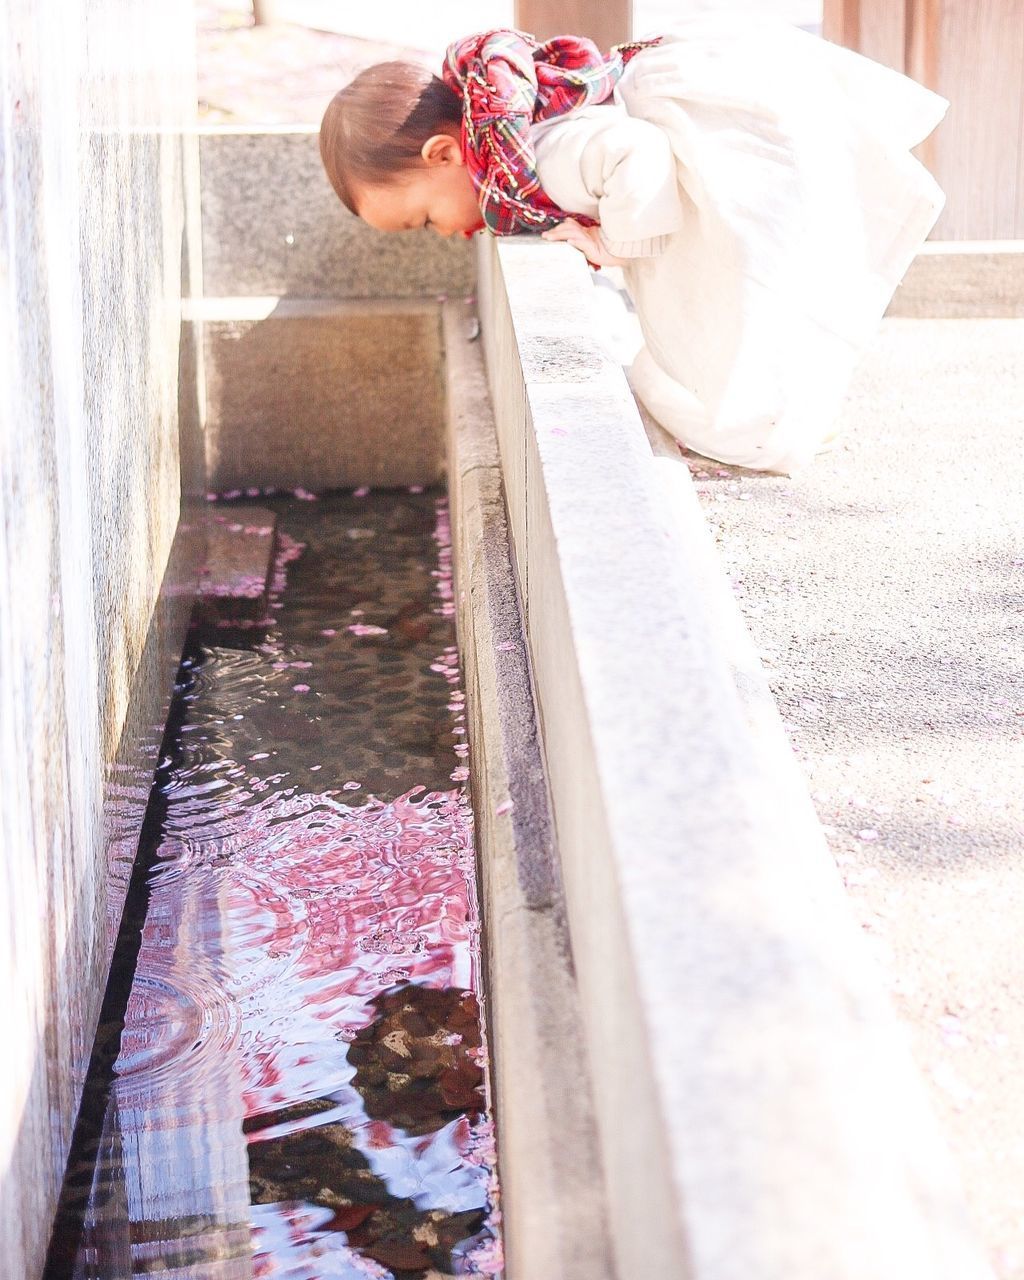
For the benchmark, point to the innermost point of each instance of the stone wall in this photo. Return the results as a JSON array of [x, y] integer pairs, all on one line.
[[99, 437], [758, 1111]]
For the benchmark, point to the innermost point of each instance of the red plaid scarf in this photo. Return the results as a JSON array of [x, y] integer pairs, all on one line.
[[508, 81]]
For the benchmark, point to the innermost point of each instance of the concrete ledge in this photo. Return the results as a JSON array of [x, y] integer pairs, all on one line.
[[555, 1216], [758, 1109], [321, 393], [963, 278], [237, 573], [272, 225]]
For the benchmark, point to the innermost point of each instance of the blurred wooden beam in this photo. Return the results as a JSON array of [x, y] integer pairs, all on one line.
[[974, 57], [876, 28], [840, 22], [973, 54], [606, 22]]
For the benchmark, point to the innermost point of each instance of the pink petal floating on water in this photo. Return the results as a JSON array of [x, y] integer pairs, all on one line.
[[304, 495], [415, 488], [460, 774], [301, 688], [351, 786], [392, 976], [505, 807], [366, 629], [260, 755], [328, 631], [361, 492], [302, 665]]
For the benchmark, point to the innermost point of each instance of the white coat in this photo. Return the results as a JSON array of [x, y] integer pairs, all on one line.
[[759, 181]]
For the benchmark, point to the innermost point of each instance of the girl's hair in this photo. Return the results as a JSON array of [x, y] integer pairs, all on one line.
[[374, 128]]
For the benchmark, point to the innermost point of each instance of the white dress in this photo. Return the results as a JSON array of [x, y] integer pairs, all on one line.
[[760, 182]]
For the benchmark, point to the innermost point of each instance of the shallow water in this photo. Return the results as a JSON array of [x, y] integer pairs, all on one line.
[[300, 1086]]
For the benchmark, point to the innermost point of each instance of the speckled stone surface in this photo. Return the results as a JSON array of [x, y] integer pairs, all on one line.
[[272, 225], [98, 207], [322, 394], [883, 589], [555, 1215], [777, 1125]]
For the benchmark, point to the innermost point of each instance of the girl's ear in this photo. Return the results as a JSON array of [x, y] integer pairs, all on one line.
[[441, 148]]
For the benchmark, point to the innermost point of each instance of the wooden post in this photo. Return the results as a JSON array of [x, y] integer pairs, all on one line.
[[606, 22], [973, 54], [876, 28]]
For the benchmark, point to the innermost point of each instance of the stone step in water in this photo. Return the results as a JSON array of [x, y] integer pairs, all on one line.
[[235, 580]]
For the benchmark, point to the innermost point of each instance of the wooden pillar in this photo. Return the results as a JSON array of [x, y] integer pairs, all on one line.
[[973, 54], [606, 22], [876, 28]]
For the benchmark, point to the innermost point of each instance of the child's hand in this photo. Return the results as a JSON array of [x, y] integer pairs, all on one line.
[[587, 240]]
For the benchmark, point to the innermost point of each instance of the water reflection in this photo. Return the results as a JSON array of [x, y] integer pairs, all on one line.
[[300, 1086]]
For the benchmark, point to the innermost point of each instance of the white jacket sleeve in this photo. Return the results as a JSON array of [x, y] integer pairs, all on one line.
[[611, 166]]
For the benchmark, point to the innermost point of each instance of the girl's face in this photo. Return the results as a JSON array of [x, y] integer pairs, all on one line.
[[438, 194]]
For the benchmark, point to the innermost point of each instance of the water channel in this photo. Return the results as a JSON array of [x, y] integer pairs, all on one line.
[[290, 1077]]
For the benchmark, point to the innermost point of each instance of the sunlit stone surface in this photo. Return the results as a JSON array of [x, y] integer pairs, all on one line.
[[97, 209]]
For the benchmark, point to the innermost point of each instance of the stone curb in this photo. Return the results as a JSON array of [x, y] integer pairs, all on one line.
[[555, 1218], [963, 278], [758, 1108]]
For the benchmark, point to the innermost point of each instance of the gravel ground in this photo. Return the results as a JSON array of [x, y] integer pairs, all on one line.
[[883, 589]]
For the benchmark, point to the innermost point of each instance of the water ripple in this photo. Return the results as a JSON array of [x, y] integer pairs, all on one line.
[[303, 1049]]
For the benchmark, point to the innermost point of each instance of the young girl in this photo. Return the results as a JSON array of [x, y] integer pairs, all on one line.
[[754, 182]]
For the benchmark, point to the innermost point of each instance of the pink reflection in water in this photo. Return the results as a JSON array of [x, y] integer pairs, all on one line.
[[275, 922]]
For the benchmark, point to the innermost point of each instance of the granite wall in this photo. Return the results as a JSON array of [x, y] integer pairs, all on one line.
[[99, 440]]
